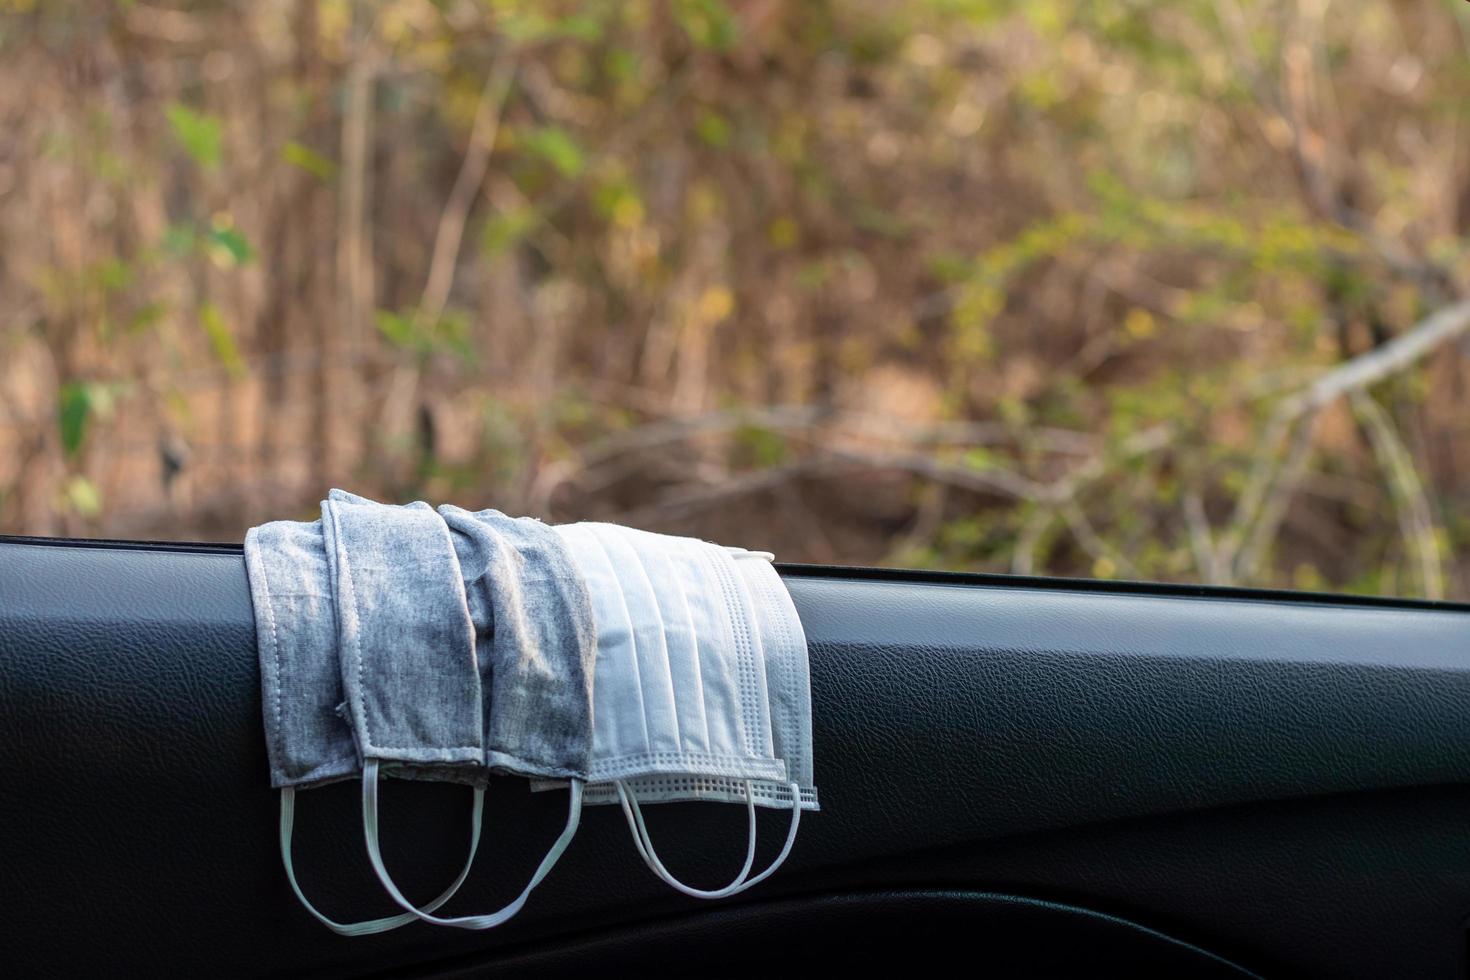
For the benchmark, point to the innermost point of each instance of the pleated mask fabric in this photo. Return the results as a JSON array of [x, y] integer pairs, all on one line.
[[788, 681], [680, 683], [693, 641]]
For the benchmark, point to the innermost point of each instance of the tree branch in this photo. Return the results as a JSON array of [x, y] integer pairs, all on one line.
[[466, 185], [1353, 375], [1411, 503]]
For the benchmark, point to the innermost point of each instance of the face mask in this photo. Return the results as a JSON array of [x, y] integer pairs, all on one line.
[[789, 682], [308, 738], [419, 612], [536, 641], [370, 588], [406, 644], [533, 625], [680, 687], [308, 742], [679, 638]]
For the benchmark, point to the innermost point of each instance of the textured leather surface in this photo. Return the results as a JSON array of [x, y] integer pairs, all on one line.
[[1284, 783], [869, 933]]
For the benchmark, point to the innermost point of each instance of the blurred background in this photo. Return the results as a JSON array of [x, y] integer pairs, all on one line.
[[1161, 289]]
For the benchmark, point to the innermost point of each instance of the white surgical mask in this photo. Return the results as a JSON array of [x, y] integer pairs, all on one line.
[[788, 680], [689, 644]]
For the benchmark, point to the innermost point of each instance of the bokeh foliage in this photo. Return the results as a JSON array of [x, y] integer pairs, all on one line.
[[976, 284]]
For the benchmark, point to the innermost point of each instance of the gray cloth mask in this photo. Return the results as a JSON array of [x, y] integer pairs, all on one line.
[[536, 640], [371, 636], [532, 618], [309, 739], [405, 640]]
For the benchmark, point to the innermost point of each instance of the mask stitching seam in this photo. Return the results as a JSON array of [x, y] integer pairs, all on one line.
[[675, 756], [732, 786], [485, 533], [743, 652], [265, 586], [787, 643], [346, 575], [748, 665], [773, 589], [462, 606]]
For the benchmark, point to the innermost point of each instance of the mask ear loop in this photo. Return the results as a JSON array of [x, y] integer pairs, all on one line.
[[370, 926], [489, 920], [633, 813]]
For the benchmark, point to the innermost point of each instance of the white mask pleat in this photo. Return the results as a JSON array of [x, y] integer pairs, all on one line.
[[672, 697]]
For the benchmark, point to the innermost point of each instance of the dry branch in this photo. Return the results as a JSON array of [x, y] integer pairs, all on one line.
[[467, 183], [1416, 517], [1273, 478]]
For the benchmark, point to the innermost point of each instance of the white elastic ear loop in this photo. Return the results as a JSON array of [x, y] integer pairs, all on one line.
[[489, 920], [633, 813], [370, 926]]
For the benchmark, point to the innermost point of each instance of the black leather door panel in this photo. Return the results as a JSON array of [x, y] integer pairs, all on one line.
[[869, 932], [1282, 782]]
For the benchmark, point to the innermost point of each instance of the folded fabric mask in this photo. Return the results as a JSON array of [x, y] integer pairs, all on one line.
[[310, 738], [690, 644], [382, 652], [533, 624]]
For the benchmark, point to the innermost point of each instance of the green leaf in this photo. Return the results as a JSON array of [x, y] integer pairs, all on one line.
[[300, 155], [709, 23], [762, 447], [112, 275], [396, 328], [200, 135], [450, 335], [83, 496], [73, 409], [530, 27], [581, 27], [146, 317], [618, 201], [180, 239], [557, 147], [979, 459], [221, 340], [228, 247], [713, 129], [505, 229]]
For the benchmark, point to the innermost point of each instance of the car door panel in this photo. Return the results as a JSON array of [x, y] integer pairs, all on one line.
[[1038, 776]]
